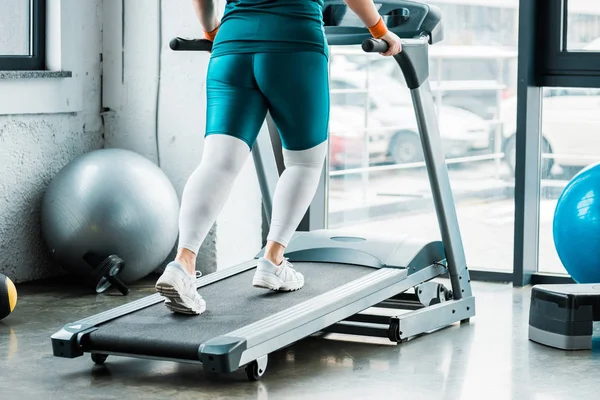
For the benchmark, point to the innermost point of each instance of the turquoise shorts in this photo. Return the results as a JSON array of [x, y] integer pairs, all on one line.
[[292, 86]]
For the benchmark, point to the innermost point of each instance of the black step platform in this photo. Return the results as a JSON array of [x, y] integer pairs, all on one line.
[[562, 316]]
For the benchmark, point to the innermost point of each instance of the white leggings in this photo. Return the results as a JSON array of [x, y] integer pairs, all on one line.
[[210, 184]]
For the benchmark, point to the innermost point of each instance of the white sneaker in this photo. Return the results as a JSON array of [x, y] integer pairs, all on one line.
[[277, 277], [179, 288]]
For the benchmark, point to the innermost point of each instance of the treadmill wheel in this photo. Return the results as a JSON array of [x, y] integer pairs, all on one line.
[[99, 359], [394, 333], [256, 369]]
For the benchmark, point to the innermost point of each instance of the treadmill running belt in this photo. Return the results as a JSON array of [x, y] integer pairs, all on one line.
[[232, 303]]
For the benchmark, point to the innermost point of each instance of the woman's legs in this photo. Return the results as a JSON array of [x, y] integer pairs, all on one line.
[[296, 86], [240, 88], [223, 160], [204, 195], [293, 195], [236, 110]]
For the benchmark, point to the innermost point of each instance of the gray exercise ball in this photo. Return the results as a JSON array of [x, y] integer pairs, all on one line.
[[111, 202]]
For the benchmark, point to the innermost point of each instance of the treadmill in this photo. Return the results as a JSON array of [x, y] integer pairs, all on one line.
[[356, 285]]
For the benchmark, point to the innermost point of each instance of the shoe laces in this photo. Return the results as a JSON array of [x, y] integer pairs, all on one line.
[[289, 266], [192, 280]]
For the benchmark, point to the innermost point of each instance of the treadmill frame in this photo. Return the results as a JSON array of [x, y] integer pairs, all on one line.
[[240, 347], [384, 287]]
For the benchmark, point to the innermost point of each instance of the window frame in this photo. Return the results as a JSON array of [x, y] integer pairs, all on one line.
[[544, 62], [557, 66], [37, 60]]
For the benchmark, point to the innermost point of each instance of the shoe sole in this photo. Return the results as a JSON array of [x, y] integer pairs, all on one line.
[[175, 302], [176, 308], [270, 284]]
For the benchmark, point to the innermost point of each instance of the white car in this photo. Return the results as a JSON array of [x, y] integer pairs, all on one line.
[[464, 76], [387, 113], [570, 126]]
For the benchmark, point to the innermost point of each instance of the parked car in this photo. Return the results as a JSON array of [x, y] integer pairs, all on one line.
[[386, 116], [570, 125], [467, 77]]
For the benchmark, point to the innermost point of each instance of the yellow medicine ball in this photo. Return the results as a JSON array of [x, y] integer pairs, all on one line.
[[8, 296]]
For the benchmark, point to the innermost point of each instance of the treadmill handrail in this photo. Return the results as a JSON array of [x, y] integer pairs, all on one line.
[[180, 43]]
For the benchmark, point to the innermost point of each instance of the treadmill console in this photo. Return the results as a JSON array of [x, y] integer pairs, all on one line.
[[407, 19]]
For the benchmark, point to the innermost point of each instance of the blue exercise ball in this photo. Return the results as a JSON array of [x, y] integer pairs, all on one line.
[[576, 226], [110, 202]]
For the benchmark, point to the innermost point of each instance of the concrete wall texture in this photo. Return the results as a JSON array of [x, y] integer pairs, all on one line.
[[135, 93], [34, 147]]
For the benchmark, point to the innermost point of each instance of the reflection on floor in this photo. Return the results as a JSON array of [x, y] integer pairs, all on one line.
[[490, 358]]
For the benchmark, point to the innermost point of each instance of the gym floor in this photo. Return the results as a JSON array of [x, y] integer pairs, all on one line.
[[490, 357]]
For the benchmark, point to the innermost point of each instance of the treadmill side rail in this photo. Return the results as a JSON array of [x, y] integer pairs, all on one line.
[[66, 343], [280, 330], [322, 305]]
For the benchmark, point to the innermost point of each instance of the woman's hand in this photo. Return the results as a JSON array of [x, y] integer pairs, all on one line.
[[394, 42], [369, 15], [212, 34]]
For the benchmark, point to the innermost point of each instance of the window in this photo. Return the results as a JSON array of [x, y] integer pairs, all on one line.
[[22, 34], [583, 25], [377, 180], [567, 43], [570, 125]]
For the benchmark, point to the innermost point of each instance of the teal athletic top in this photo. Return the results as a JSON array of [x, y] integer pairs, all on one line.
[[255, 26]]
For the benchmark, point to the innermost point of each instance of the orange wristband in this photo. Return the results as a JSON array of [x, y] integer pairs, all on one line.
[[211, 35], [379, 29]]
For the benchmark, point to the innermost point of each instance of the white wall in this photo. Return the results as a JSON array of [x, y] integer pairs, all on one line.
[[45, 123], [156, 106]]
